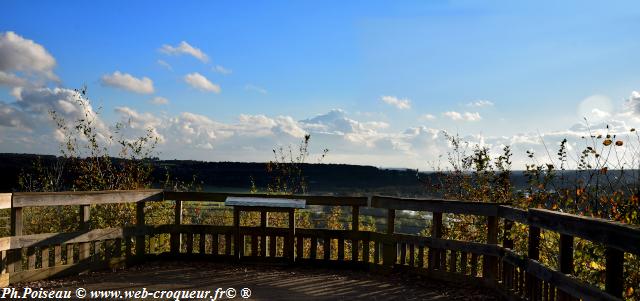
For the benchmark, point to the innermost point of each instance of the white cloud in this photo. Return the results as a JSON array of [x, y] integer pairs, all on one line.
[[197, 131], [158, 100], [466, 116], [27, 122], [165, 64], [599, 114], [480, 104], [402, 104], [221, 70], [11, 79], [200, 82], [427, 117], [261, 126], [128, 82], [185, 48], [255, 125], [633, 103], [18, 54], [137, 123], [10, 117], [254, 88], [336, 124], [595, 107], [287, 125]]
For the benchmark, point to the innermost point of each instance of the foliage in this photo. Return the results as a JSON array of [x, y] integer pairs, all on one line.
[[605, 184], [286, 169], [86, 164]]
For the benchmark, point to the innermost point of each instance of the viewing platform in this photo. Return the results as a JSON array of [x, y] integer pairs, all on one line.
[[303, 261]]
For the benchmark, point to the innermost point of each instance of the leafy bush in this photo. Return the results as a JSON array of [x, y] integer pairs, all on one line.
[[605, 183]]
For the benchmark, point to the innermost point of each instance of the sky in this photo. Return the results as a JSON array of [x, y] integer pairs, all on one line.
[[375, 82]]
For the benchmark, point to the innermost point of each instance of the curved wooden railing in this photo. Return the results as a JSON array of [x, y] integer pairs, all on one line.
[[491, 263]]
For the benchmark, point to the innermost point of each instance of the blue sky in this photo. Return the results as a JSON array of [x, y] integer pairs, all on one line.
[[373, 81]]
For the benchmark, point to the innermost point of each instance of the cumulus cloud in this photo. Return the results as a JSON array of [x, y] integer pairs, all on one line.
[[466, 116], [254, 88], [402, 104], [427, 117], [190, 130], [222, 70], [29, 117], [11, 79], [138, 120], [128, 82], [10, 117], [158, 100], [200, 82], [197, 131], [599, 114], [136, 123], [185, 48], [336, 123], [287, 125], [261, 125], [480, 103], [633, 103], [25, 56]]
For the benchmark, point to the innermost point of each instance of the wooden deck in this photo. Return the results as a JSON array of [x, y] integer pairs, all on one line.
[[269, 282], [491, 263]]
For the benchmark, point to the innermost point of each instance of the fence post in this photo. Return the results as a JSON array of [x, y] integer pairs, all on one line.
[[15, 258], [436, 232], [355, 227], [264, 223], [533, 253], [389, 247], [292, 234], [236, 235], [176, 236], [614, 283], [490, 266], [85, 225], [140, 239], [566, 261], [507, 242]]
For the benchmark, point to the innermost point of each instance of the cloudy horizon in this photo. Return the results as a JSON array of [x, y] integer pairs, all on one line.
[[376, 87]]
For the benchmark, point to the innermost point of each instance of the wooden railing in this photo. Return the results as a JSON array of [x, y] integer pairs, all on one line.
[[489, 263]]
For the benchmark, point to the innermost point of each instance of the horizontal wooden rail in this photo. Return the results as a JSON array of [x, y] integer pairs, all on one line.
[[566, 283], [513, 214], [39, 240], [614, 234], [620, 236], [311, 199], [38, 256], [67, 198], [435, 205]]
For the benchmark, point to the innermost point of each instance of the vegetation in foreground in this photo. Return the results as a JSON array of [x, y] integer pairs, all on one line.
[[604, 184]]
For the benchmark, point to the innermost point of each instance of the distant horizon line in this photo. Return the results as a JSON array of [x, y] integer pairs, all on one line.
[[314, 163]]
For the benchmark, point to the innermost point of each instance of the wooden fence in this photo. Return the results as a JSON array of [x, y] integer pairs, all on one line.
[[492, 263]]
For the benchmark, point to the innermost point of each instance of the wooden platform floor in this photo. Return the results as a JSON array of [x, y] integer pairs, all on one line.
[[269, 282]]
